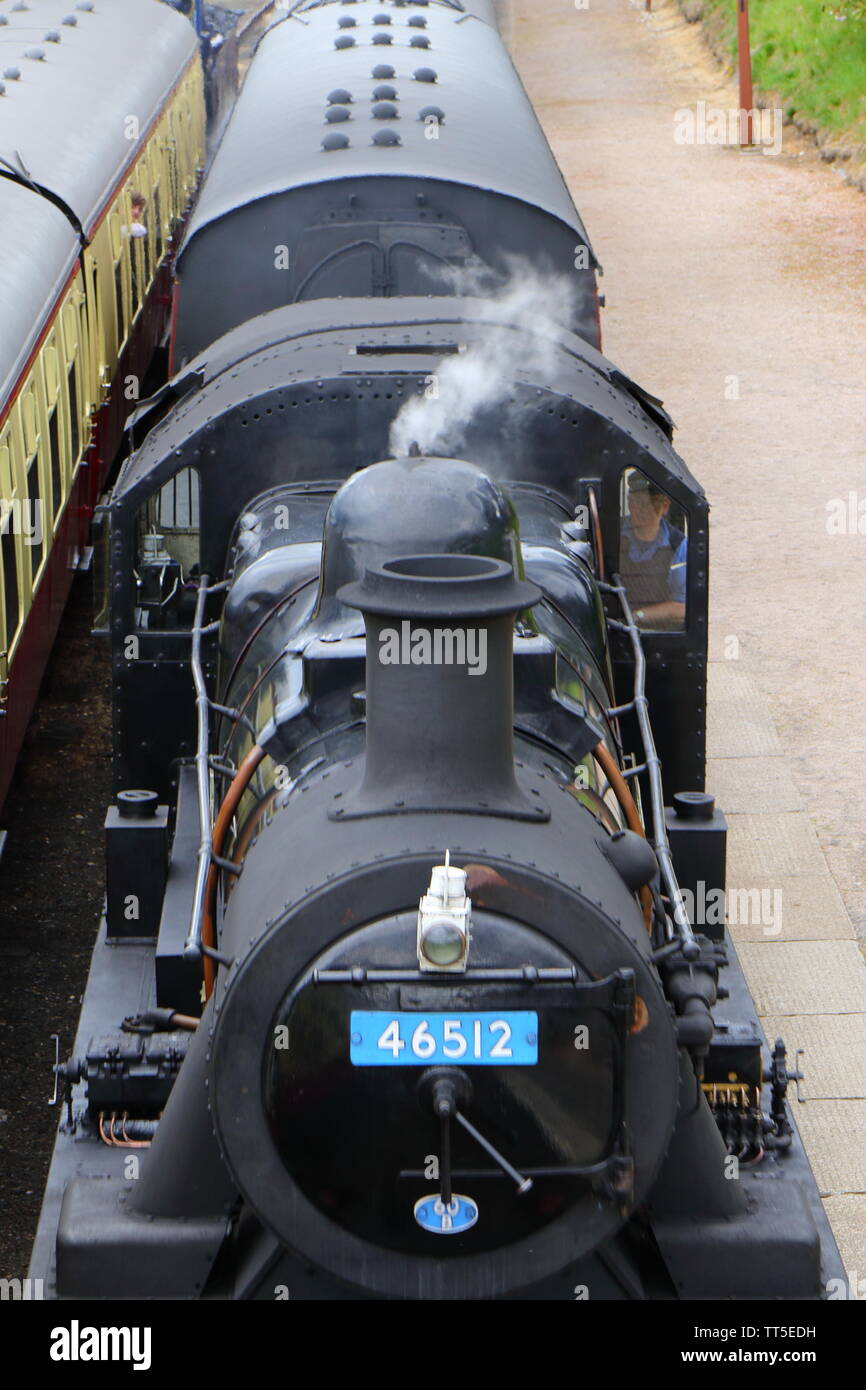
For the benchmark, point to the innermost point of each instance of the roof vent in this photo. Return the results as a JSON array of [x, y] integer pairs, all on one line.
[[386, 137], [385, 93], [53, 36], [337, 113], [19, 5], [381, 19], [335, 141], [424, 75], [13, 74], [419, 41], [385, 111], [339, 97], [86, 5], [431, 113], [382, 38], [344, 41], [417, 21], [383, 70], [3, 19], [2, 88], [37, 54], [69, 20], [347, 21]]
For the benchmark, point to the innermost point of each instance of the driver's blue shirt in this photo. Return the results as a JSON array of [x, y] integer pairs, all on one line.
[[640, 551]]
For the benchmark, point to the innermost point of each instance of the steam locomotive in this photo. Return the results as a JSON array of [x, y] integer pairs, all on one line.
[[397, 995]]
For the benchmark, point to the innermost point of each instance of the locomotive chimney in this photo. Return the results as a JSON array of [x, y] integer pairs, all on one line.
[[440, 686]]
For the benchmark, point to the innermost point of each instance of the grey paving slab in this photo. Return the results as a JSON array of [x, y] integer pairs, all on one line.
[[764, 848], [847, 1216], [753, 785], [736, 730], [834, 1065], [833, 1133], [805, 977], [806, 907]]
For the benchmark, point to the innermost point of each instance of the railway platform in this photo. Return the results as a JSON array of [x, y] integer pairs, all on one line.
[[735, 287]]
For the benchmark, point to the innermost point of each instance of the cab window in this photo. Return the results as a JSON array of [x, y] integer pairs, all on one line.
[[653, 553], [168, 554]]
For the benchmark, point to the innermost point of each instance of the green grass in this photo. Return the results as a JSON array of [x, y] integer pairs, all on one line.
[[799, 49]]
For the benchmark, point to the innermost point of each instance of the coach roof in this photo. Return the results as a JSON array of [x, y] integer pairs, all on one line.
[[486, 133], [38, 252], [72, 75]]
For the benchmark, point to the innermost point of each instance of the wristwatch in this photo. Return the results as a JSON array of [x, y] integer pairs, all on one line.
[[639, 615]]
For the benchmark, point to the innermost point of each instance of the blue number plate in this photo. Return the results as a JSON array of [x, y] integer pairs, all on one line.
[[419, 1039]]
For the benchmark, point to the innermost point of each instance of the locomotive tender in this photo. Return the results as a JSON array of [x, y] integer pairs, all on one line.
[[393, 997]]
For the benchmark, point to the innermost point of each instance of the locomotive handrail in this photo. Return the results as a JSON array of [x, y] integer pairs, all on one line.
[[652, 764]]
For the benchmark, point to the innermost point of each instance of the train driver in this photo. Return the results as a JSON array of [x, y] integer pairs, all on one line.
[[653, 557]]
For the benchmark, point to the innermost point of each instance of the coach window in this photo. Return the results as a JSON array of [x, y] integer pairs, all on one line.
[[8, 557], [653, 553], [156, 225], [32, 522], [167, 554], [143, 184], [58, 431], [135, 234], [70, 362], [121, 263], [172, 179], [102, 341]]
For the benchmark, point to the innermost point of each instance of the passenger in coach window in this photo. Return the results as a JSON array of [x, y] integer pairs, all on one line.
[[653, 557], [137, 204]]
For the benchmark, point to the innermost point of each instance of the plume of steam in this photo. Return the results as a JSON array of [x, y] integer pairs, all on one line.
[[483, 377]]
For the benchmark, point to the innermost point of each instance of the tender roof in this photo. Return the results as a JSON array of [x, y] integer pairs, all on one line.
[[66, 113], [483, 9], [489, 138]]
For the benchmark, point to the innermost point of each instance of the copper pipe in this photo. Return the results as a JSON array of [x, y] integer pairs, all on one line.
[[231, 801], [130, 1143], [622, 792], [596, 530], [243, 841], [185, 1022]]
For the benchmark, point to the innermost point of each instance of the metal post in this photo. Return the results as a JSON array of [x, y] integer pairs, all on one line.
[[744, 53]]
